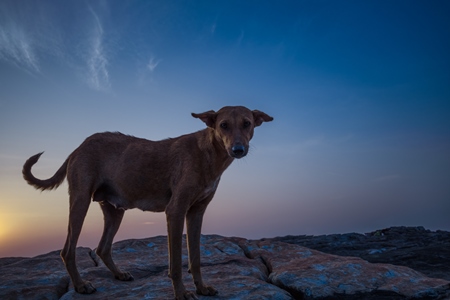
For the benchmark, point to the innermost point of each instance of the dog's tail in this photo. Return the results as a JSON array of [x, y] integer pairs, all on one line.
[[47, 184]]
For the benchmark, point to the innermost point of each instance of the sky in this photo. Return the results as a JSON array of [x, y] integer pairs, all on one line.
[[359, 92]]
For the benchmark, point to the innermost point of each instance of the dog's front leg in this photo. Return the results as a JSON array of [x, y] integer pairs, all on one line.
[[175, 219], [194, 219]]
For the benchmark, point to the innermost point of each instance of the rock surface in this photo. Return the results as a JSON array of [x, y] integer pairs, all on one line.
[[238, 268], [415, 247]]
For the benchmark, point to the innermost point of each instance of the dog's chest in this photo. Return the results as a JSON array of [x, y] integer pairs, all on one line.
[[210, 189]]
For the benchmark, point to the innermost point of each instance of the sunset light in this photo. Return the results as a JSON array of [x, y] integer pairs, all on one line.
[[3, 230], [359, 92]]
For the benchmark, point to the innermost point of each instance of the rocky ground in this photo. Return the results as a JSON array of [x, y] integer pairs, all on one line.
[[394, 263], [414, 247]]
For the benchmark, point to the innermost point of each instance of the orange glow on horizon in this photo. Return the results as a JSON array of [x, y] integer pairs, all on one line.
[[5, 227]]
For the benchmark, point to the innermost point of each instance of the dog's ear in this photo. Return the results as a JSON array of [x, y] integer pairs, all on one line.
[[208, 117], [260, 117]]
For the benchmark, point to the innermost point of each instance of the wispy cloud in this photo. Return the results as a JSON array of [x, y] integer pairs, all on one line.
[[97, 61], [16, 46], [31, 36], [147, 69], [153, 63], [213, 28]]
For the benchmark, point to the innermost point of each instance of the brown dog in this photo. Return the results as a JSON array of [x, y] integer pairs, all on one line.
[[178, 176]]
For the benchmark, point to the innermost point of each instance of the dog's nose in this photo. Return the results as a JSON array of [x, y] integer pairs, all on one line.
[[238, 150]]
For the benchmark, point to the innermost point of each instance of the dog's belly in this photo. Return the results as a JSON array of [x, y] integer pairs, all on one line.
[[155, 203]]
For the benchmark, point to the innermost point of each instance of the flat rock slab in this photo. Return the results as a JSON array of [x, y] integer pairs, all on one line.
[[420, 249], [310, 274], [40, 277], [238, 268]]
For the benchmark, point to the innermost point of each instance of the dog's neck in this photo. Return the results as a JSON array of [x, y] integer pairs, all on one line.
[[217, 154]]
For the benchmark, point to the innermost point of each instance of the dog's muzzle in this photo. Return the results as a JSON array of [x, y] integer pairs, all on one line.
[[238, 151]]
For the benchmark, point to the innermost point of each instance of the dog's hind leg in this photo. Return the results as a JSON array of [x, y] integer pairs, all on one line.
[[79, 205], [113, 218]]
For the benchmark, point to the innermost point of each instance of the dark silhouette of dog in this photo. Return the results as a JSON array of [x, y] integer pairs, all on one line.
[[178, 176]]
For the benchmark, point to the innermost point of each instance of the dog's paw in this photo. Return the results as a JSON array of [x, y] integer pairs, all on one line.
[[186, 295], [85, 288], [125, 276], [206, 291]]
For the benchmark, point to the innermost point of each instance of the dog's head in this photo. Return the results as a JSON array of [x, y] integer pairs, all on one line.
[[233, 127]]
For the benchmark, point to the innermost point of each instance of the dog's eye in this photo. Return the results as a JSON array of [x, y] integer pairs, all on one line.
[[224, 125], [247, 124]]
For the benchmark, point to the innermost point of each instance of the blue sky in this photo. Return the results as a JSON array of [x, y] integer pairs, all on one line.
[[360, 93]]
